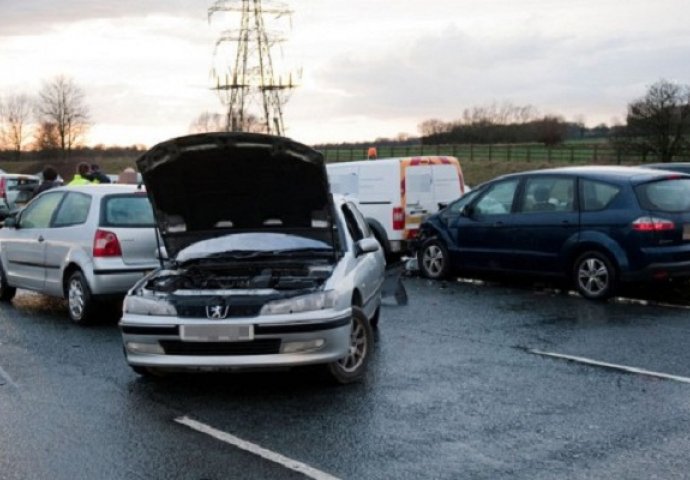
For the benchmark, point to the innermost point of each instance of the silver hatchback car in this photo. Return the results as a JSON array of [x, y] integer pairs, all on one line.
[[88, 244], [266, 268]]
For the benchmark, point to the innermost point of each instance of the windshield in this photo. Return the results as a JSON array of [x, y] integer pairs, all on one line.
[[670, 196], [247, 243]]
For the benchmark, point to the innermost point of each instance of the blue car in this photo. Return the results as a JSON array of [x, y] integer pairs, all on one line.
[[593, 226]]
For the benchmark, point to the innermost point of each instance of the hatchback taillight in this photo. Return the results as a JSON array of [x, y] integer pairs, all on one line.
[[106, 244], [652, 224], [398, 218]]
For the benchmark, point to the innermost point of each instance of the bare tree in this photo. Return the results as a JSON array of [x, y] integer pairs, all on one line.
[[46, 138], [15, 113], [208, 122], [61, 102], [659, 122], [433, 127]]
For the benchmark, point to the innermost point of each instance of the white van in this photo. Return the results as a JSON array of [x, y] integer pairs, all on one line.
[[395, 194]]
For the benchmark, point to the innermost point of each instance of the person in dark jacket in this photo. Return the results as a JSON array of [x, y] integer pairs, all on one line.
[[50, 180], [97, 175]]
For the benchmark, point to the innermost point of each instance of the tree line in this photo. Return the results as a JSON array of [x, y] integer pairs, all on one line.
[[56, 119], [656, 124]]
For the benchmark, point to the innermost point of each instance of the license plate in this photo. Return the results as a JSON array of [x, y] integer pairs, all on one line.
[[686, 232], [217, 333]]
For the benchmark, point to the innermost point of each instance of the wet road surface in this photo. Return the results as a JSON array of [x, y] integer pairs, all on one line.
[[452, 393]]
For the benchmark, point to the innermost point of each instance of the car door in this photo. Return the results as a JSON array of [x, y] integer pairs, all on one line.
[[66, 232], [481, 232], [370, 269], [546, 220], [24, 246]]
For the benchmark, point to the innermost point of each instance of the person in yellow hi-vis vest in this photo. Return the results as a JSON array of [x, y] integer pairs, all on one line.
[[82, 175]]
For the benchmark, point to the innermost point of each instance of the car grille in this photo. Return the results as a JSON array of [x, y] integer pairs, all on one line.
[[234, 311], [256, 347]]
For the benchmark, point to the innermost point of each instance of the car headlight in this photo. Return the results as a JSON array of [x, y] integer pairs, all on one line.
[[303, 303], [138, 305]]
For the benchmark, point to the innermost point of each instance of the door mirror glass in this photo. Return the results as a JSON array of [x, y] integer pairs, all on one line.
[[467, 211]]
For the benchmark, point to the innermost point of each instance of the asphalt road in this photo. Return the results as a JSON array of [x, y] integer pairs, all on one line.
[[453, 392]]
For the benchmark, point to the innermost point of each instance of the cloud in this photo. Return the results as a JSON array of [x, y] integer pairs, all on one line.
[[29, 17], [439, 75]]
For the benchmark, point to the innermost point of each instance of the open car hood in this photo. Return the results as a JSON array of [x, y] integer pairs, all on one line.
[[213, 184]]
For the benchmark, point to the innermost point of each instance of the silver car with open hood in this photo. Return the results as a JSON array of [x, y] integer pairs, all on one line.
[[266, 268]]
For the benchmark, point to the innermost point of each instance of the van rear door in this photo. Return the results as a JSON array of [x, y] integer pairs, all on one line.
[[419, 195], [446, 184]]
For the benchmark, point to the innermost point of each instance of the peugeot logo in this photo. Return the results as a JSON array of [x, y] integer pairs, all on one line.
[[217, 312]]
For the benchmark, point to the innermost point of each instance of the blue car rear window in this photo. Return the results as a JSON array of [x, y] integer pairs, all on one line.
[[668, 195]]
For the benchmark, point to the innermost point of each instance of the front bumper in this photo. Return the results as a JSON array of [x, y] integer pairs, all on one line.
[[272, 334]]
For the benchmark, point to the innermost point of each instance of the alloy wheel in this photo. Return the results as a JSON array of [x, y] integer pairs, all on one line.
[[433, 260], [593, 276], [76, 298], [357, 350]]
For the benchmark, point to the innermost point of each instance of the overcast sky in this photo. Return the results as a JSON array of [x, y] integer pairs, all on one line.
[[372, 68]]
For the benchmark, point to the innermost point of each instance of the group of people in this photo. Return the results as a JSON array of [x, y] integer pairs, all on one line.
[[85, 175]]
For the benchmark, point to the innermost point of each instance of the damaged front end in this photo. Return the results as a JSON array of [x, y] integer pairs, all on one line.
[[235, 290]]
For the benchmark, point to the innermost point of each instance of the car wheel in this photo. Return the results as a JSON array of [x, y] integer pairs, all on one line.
[[7, 293], [80, 304], [433, 260], [353, 366], [594, 276]]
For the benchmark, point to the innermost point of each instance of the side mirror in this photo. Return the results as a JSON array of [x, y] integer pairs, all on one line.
[[442, 205], [467, 211], [366, 245]]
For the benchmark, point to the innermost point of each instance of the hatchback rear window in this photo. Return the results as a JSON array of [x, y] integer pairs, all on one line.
[[127, 211], [18, 182], [671, 196]]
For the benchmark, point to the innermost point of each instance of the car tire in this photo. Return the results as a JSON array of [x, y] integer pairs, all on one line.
[[374, 320], [143, 371], [81, 306], [7, 293], [353, 367], [594, 276], [433, 260]]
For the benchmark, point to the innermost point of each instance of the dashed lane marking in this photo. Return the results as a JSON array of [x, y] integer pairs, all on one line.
[[622, 368], [286, 462]]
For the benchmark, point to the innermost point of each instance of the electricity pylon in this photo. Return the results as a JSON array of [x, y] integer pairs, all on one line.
[[244, 74]]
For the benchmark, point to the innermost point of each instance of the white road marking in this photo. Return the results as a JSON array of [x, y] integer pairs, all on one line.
[[294, 465], [5, 376], [623, 368]]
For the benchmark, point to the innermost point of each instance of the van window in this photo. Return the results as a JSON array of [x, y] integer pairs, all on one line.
[[344, 183], [670, 196], [597, 196], [131, 211]]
